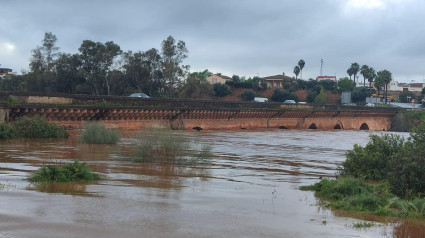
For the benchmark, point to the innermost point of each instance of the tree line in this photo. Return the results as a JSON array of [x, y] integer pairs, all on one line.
[[102, 69], [381, 78]]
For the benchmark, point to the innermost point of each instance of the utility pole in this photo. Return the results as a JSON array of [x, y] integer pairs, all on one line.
[[321, 67]]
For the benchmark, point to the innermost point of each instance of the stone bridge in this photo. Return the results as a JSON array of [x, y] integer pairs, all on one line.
[[137, 113], [74, 117]]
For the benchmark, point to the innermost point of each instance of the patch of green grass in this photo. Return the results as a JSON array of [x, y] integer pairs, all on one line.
[[70, 172], [38, 127], [32, 127], [95, 132], [363, 224], [350, 194], [164, 146]]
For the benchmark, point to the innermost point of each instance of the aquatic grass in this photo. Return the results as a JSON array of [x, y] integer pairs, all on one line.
[[162, 145], [70, 172], [95, 132], [363, 224], [32, 127], [355, 195]]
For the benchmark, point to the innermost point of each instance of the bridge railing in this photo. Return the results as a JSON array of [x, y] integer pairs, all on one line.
[[163, 103]]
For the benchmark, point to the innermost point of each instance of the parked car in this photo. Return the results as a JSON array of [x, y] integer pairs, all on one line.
[[289, 102], [369, 104], [259, 99], [138, 95]]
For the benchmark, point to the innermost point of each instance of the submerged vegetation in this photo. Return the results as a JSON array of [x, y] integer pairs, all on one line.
[[96, 133], [70, 172], [397, 168], [162, 145], [31, 127]]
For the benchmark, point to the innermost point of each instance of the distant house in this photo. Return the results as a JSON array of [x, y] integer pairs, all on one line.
[[5, 72], [320, 78], [412, 87], [275, 81], [218, 78]]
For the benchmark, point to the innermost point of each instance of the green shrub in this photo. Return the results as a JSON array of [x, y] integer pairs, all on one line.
[[70, 172], [221, 90], [95, 132], [374, 160], [6, 131], [165, 147], [38, 127], [32, 127], [248, 95]]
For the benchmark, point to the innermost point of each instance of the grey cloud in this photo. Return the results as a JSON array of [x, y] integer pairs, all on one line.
[[244, 37]]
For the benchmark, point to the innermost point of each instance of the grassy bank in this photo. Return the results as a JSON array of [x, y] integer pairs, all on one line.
[[385, 177]]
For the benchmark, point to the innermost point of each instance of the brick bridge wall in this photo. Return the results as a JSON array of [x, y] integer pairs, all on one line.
[[74, 117], [73, 111]]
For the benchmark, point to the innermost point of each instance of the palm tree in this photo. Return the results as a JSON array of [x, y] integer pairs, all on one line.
[[386, 77], [355, 69], [371, 75], [297, 71], [363, 71], [301, 64], [350, 72]]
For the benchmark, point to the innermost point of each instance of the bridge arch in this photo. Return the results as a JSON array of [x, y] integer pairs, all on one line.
[[197, 128], [364, 126], [339, 125], [312, 126]]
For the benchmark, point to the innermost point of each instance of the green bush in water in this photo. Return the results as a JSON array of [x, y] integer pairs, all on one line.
[[6, 131], [163, 146], [95, 132], [70, 172], [32, 127]]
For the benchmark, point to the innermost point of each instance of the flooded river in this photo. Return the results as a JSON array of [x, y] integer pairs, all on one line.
[[250, 189]]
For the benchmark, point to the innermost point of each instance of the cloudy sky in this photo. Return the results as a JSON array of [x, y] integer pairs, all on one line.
[[242, 37]]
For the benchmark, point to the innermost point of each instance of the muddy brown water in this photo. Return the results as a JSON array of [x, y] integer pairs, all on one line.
[[250, 189]]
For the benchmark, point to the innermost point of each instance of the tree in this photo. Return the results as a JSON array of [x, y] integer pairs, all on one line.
[[371, 75], [301, 64], [345, 84], [196, 85], [50, 49], [355, 69], [280, 95], [386, 77], [350, 72], [68, 73], [144, 71], [321, 97], [236, 78], [297, 71], [96, 60], [403, 97], [248, 95], [364, 71], [221, 90], [173, 54]]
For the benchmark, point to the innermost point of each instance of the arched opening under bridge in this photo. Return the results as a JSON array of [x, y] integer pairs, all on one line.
[[312, 126], [364, 126]]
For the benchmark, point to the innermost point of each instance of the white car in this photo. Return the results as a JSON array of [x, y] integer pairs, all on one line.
[[289, 102], [369, 104]]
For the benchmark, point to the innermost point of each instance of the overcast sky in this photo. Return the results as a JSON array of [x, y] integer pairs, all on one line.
[[242, 37]]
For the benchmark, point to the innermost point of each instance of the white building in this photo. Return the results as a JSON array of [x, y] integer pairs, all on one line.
[[411, 87]]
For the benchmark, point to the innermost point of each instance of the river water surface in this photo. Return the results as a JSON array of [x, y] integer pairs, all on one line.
[[250, 189]]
